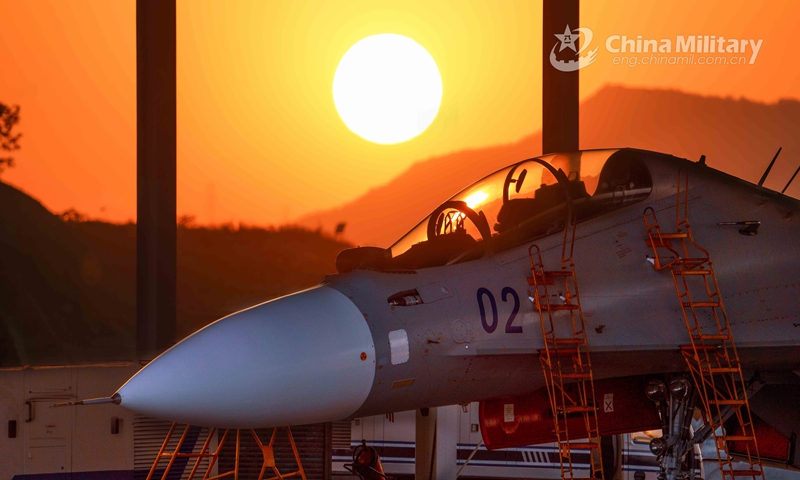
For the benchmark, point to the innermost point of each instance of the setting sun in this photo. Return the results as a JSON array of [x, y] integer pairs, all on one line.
[[387, 88]]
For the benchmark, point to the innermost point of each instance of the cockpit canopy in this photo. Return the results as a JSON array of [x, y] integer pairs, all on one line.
[[520, 203]]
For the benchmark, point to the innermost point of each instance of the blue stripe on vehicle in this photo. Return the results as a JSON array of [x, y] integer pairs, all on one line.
[[100, 475]]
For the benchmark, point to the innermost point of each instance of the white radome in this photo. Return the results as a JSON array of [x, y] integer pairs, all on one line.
[[299, 359]]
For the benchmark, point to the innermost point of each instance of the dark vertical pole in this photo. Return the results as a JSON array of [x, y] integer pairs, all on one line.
[[328, 456], [559, 89], [156, 230]]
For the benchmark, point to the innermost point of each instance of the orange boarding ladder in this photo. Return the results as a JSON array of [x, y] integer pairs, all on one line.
[[267, 452], [565, 357], [711, 356]]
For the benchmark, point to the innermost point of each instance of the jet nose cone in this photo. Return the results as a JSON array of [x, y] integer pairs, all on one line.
[[301, 359]]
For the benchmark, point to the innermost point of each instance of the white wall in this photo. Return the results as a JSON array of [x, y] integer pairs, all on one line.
[[94, 447], [12, 407], [66, 439]]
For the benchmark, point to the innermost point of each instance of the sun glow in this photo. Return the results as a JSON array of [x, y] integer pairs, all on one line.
[[387, 88], [476, 199]]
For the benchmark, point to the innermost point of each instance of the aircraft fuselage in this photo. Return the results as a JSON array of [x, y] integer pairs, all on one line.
[[471, 332]]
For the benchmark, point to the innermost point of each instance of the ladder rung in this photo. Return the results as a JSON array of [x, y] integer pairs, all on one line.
[[546, 277], [572, 375], [560, 352], [742, 473], [537, 280], [674, 235], [577, 408], [567, 341], [690, 263], [699, 348], [701, 304], [695, 272], [558, 273], [653, 241], [737, 438], [711, 337], [568, 306], [726, 402], [719, 369], [581, 445]]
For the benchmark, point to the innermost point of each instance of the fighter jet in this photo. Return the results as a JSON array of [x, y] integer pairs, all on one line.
[[480, 302]]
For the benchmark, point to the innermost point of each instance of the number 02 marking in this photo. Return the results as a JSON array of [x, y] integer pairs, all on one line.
[[486, 326], [492, 326], [510, 327]]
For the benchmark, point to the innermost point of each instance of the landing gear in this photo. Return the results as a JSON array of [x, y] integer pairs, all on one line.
[[675, 448]]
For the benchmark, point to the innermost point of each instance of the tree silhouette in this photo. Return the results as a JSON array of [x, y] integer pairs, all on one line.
[[9, 117]]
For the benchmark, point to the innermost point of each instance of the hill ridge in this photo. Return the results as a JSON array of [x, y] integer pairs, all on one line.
[[738, 136]]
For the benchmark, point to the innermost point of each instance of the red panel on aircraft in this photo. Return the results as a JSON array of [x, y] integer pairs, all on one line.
[[623, 407], [771, 444]]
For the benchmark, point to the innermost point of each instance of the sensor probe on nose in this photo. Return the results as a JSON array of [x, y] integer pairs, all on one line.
[[115, 399]]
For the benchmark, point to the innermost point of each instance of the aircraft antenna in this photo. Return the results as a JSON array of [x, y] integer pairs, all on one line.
[[766, 172], [791, 180]]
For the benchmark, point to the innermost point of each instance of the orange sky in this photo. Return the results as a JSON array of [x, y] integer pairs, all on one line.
[[259, 139]]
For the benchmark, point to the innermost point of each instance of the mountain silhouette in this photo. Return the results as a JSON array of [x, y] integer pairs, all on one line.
[[68, 291], [69, 284], [737, 136], [55, 306]]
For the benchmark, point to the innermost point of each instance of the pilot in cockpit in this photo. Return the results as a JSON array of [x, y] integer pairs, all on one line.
[[521, 203], [545, 198]]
